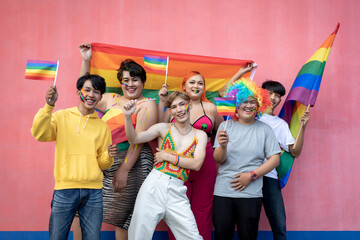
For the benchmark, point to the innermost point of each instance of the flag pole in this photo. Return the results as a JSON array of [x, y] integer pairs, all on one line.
[[167, 66], [57, 68], [253, 71], [300, 129], [227, 119]]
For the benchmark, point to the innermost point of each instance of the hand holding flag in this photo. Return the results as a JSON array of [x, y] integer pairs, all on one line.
[[226, 107], [41, 70], [156, 64], [51, 95]]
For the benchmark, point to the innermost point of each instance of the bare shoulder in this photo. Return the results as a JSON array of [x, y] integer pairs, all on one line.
[[110, 95], [201, 135], [105, 102], [210, 109], [209, 106], [109, 98], [148, 107], [162, 128], [148, 104]]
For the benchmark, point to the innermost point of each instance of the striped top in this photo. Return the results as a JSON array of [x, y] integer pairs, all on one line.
[[168, 144]]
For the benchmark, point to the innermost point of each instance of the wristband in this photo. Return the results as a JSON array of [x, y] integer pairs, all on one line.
[[177, 160]]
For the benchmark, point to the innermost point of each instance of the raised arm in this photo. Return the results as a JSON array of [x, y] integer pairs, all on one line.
[[144, 136], [163, 116], [234, 78], [86, 54], [214, 113], [146, 117], [44, 124], [295, 151]]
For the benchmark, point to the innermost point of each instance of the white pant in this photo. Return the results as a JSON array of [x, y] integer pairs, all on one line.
[[162, 197]]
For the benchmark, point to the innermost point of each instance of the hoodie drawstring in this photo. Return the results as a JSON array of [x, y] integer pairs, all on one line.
[[85, 123]]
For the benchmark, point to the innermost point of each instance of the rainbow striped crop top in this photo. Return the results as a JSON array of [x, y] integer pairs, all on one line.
[[168, 144]]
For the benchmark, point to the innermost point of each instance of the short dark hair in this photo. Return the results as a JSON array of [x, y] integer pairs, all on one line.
[[274, 86], [134, 69], [97, 82], [174, 95]]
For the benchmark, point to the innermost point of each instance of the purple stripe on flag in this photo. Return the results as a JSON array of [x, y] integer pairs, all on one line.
[[286, 111], [302, 95], [41, 61]]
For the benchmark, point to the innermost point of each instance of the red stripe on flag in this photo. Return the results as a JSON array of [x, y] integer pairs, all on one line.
[[39, 78], [137, 52]]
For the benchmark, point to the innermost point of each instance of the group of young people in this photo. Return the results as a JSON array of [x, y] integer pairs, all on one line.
[[106, 172]]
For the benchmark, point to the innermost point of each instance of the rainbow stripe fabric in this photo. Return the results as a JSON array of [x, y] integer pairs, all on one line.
[[217, 71], [41, 70], [303, 92], [226, 106], [155, 64]]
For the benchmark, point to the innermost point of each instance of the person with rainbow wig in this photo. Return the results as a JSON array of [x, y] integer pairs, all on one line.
[[204, 116], [240, 149]]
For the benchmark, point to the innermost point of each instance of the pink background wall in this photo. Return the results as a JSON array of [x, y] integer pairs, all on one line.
[[279, 36]]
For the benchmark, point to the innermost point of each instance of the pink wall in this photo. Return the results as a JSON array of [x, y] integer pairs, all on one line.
[[278, 35]]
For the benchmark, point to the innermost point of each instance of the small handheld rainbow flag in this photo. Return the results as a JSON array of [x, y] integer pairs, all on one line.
[[41, 70], [156, 64], [225, 106]]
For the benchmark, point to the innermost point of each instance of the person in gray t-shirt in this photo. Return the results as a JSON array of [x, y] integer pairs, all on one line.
[[240, 149]]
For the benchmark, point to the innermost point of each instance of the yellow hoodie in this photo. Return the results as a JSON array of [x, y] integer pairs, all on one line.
[[81, 146]]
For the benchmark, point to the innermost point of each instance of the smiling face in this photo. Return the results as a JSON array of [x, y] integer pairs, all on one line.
[[275, 99], [180, 109], [247, 110], [132, 87], [89, 97], [194, 87]]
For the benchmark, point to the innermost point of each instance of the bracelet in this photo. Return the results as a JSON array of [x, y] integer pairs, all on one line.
[[177, 160]]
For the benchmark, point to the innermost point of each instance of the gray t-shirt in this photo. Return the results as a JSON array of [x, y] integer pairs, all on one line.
[[248, 146]]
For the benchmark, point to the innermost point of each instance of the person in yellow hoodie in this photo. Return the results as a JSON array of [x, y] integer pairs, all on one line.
[[83, 149]]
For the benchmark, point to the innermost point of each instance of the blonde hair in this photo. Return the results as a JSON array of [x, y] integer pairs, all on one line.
[[174, 95]]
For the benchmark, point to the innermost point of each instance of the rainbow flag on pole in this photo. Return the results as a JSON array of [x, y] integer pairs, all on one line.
[[155, 63], [226, 106], [303, 92], [41, 70], [217, 71]]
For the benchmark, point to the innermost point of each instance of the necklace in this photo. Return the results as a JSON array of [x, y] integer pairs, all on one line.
[[184, 134]]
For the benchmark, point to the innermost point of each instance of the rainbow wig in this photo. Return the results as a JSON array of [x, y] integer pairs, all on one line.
[[244, 88]]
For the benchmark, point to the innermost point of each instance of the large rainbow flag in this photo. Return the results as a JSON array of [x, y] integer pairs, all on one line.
[[303, 92], [106, 60]]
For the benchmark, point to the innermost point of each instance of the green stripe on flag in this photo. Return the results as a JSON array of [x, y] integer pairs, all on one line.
[[286, 162], [312, 67], [41, 68], [157, 62]]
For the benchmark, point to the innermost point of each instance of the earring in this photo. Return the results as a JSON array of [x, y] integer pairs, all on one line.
[[236, 115]]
